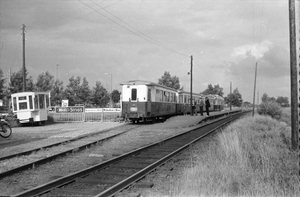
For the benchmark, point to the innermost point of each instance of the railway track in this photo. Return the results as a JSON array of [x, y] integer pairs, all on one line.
[[36, 157], [112, 176]]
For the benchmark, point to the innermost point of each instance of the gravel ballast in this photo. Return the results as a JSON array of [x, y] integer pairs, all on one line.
[[134, 139]]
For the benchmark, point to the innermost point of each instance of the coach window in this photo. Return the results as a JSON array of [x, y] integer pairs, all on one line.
[[180, 98], [47, 101], [149, 94], [42, 101], [30, 102], [157, 96], [133, 94], [171, 97], [36, 102]]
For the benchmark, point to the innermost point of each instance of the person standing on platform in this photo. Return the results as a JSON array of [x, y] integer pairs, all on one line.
[[207, 106], [201, 104]]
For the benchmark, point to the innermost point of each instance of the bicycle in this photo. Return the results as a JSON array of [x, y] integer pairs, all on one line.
[[5, 129]]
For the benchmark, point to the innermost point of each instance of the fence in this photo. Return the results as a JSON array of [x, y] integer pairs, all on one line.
[[88, 115]]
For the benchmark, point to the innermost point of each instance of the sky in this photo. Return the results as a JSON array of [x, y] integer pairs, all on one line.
[[141, 39]]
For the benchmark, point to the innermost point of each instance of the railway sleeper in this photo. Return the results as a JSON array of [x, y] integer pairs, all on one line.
[[113, 173], [148, 157], [140, 162], [95, 180], [118, 166]]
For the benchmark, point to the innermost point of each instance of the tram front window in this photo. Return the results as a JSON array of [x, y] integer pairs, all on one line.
[[22, 105], [42, 101]]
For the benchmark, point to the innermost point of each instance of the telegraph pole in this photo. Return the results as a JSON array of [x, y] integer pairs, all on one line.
[[24, 70], [257, 97], [294, 75], [254, 89], [191, 100], [230, 95]]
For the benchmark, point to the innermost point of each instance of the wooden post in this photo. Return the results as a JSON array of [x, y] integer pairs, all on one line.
[[294, 75]]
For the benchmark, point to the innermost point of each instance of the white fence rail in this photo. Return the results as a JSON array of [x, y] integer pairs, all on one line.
[[88, 115]]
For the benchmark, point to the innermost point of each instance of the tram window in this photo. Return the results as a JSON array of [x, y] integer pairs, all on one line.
[[47, 101], [157, 96], [36, 103], [15, 103], [133, 94], [30, 102], [22, 105], [22, 98], [42, 101]]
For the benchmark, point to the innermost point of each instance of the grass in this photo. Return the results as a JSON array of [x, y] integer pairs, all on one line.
[[251, 157]]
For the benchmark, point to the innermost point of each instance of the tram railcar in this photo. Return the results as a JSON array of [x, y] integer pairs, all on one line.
[[144, 100], [31, 107]]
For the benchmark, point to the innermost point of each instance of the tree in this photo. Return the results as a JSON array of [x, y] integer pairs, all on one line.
[[72, 90], [169, 81], [115, 95], [216, 89], [235, 98], [84, 92], [99, 96], [283, 101], [266, 98], [57, 93], [44, 82], [16, 82]]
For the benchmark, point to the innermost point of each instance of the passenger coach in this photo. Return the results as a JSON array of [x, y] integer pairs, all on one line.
[[144, 100]]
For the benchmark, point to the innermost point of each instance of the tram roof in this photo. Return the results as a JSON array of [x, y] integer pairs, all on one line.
[[148, 83], [28, 93]]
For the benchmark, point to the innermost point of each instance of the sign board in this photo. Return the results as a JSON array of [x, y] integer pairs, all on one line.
[[65, 103], [102, 109], [72, 109]]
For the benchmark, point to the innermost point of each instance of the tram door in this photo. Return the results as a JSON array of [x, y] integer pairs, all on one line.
[[41, 107]]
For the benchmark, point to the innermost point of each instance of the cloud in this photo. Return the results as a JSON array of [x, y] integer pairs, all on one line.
[[256, 50]]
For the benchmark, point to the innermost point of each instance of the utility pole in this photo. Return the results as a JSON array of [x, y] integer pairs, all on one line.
[[230, 95], [191, 100], [294, 75], [257, 97], [24, 70], [254, 89]]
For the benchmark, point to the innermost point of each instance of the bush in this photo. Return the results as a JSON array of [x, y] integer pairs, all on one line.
[[270, 108]]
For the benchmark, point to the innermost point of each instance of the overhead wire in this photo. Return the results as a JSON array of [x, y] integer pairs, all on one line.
[[135, 32]]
